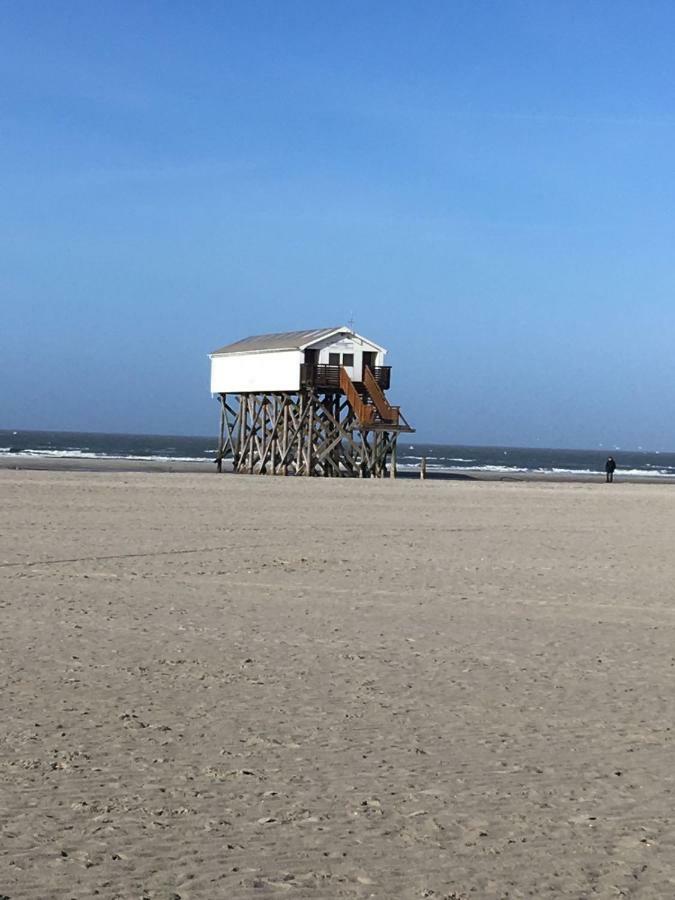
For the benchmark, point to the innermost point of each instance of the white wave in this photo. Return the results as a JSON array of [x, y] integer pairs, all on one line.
[[502, 469], [633, 473], [519, 470], [80, 454]]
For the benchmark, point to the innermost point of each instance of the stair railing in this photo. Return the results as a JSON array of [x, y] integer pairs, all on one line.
[[364, 413], [388, 413]]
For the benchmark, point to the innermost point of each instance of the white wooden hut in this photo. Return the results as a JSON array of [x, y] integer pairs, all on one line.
[[274, 362], [309, 402]]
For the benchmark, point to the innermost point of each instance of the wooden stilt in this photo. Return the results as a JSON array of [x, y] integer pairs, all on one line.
[[284, 439], [251, 437], [310, 436], [305, 433], [263, 440], [221, 437], [299, 455]]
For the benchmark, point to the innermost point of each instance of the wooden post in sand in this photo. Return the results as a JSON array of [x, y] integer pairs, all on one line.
[[263, 449], [301, 418], [310, 436], [392, 472], [284, 439], [221, 439], [423, 468], [274, 440]]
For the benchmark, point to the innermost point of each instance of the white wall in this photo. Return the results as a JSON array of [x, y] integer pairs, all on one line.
[[279, 370], [256, 372], [353, 345]]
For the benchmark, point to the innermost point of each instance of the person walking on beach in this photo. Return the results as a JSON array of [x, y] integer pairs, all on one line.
[[610, 465]]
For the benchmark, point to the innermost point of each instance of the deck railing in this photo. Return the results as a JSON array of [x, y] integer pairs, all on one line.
[[382, 375], [322, 376]]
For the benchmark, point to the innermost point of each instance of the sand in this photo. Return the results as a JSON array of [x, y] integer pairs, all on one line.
[[245, 687]]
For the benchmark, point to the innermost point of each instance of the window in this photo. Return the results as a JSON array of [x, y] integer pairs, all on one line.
[[333, 359], [347, 359]]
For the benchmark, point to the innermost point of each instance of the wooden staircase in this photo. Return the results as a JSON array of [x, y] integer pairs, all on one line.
[[387, 413], [367, 399], [364, 412]]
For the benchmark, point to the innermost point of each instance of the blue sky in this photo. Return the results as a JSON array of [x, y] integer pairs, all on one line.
[[488, 187]]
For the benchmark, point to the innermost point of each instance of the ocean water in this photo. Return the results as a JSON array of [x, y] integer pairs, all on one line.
[[540, 460], [441, 458]]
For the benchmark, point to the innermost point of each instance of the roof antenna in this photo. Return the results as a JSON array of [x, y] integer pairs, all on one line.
[[351, 321]]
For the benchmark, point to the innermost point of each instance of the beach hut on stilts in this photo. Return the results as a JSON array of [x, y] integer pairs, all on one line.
[[307, 403]]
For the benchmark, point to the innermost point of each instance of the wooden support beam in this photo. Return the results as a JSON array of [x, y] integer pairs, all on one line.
[[284, 438], [299, 454], [230, 414], [310, 435], [273, 436], [221, 436], [309, 432]]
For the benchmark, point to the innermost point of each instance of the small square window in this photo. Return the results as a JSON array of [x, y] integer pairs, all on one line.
[[333, 359], [347, 359]]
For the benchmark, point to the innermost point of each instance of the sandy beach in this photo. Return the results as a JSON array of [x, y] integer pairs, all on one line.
[[245, 687]]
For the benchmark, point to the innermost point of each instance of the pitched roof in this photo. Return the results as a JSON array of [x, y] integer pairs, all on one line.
[[287, 340]]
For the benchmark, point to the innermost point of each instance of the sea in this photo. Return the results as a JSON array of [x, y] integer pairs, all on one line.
[[441, 458]]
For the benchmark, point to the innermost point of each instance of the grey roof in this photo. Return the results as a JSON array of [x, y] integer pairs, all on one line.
[[287, 340]]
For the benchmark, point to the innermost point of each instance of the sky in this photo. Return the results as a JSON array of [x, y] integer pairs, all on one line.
[[486, 188]]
